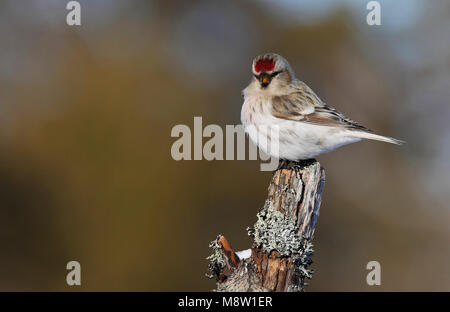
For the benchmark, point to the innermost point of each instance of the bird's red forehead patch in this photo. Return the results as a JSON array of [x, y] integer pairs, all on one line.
[[264, 64]]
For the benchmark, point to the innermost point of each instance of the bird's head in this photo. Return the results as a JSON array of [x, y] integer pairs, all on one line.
[[272, 73]]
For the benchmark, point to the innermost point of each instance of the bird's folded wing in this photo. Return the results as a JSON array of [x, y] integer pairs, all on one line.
[[294, 106], [305, 106]]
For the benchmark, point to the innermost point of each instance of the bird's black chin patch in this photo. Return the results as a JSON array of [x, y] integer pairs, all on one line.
[[265, 78]]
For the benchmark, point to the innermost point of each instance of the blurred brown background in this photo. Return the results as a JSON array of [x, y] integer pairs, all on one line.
[[86, 114]]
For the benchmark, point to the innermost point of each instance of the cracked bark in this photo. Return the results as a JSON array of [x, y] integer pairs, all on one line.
[[282, 249]]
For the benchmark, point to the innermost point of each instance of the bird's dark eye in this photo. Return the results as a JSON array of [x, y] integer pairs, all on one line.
[[256, 76], [275, 74]]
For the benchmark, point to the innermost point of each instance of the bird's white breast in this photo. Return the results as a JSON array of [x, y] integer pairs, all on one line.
[[287, 139]]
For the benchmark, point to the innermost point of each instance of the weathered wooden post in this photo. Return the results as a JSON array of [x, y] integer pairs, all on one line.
[[282, 235]]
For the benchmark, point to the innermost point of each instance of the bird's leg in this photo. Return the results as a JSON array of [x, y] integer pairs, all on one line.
[[281, 164], [300, 164]]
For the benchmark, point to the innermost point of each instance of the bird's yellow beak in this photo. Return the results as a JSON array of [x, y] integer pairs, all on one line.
[[265, 80]]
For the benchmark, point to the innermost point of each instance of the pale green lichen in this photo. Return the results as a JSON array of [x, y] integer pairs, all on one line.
[[301, 263], [276, 231], [216, 260]]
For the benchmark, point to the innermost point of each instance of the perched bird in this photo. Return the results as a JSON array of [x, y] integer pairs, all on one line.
[[287, 120]]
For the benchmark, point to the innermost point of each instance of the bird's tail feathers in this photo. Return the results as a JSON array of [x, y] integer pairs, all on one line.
[[377, 137]]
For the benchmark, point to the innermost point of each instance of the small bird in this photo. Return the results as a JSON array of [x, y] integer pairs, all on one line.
[[287, 120]]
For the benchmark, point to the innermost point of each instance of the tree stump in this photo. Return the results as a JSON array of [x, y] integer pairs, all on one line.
[[282, 236]]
